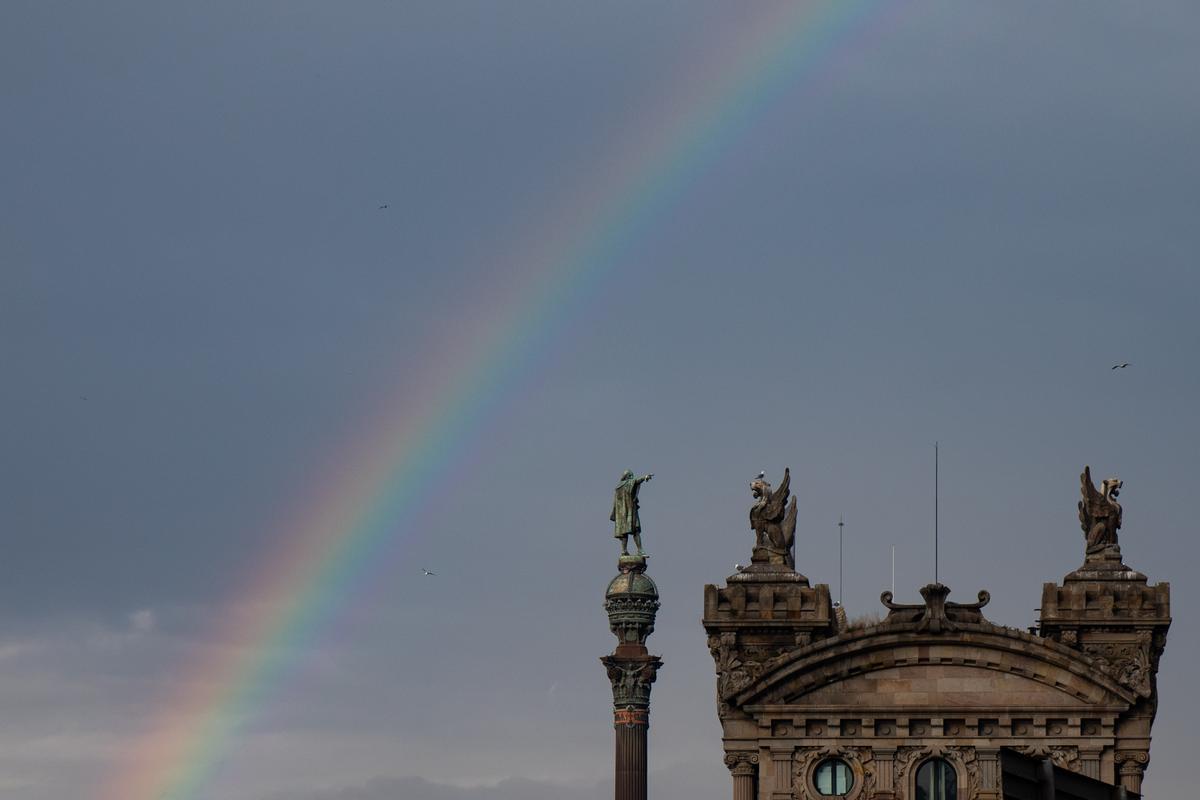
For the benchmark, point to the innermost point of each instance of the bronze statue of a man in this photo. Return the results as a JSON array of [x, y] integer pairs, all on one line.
[[625, 511]]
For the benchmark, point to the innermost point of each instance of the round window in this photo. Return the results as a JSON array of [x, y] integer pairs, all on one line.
[[833, 778], [937, 780]]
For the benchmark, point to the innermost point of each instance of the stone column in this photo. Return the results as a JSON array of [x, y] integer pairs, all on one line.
[[743, 765], [631, 728], [1131, 765], [632, 603]]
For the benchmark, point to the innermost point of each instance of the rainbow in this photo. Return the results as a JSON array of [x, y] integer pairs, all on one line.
[[376, 484]]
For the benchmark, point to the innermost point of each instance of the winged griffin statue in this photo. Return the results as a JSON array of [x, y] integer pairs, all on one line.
[[1099, 512], [773, 519]]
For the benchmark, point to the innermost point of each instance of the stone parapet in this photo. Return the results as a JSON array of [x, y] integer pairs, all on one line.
[[761, 615], [1105, 603]]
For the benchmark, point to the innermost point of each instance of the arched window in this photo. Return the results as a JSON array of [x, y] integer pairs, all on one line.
[[937, 780], [833, 778]]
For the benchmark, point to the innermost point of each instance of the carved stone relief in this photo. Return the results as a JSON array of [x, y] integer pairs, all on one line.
[[734, 672], [962, 758], [1128, 662], [860, 759], [1066, 757]]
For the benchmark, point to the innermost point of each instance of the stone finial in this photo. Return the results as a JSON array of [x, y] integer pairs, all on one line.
[[937, 613]]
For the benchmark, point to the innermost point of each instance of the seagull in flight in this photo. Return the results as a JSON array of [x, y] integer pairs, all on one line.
[[382, 207], [428, 572], [1121, 366]]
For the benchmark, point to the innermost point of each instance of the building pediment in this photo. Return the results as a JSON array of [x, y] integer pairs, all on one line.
[[974, 666]]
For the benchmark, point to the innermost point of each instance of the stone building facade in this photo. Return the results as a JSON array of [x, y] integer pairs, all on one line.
[[919, 705]]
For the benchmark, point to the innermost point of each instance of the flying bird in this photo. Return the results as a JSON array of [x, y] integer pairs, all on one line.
[[1121, 366], [428, 572], [382, 207]]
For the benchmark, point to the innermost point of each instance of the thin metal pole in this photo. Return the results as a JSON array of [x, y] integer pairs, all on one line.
[[935, 512], [893, 570], [840, 526]]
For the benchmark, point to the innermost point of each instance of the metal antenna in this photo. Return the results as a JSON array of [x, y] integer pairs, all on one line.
[[935, 512], [893, 570], [840, 526]]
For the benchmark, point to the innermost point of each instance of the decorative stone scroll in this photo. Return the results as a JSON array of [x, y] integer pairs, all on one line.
[[1128, 662], [1066, 757], [937, 614]]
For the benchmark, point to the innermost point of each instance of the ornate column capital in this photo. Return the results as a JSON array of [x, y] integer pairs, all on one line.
[[1131, 765], [742, 762], [1132, 762], [631, 679]]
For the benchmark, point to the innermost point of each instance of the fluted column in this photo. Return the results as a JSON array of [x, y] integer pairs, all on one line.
[[1132, 765], [743, 766], [631, 755]]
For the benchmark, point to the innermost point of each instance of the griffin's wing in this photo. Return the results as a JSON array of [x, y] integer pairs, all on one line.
[[1086, 488], [779, 496]]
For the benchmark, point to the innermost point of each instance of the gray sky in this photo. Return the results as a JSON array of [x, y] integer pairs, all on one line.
[[951, 234]]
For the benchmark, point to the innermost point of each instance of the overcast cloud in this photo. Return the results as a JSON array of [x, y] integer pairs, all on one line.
[[947, 228]]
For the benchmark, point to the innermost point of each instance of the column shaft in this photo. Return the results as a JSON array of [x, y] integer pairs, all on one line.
[[743, 787], [631, 761]]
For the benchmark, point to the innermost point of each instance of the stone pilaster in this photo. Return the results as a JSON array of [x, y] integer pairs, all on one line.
[[989, 772], [781, 772], [885, 787]]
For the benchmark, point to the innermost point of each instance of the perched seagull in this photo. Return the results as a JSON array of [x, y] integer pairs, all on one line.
[[738, 567], [427, 572], [1121, 366], [762, 474]]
